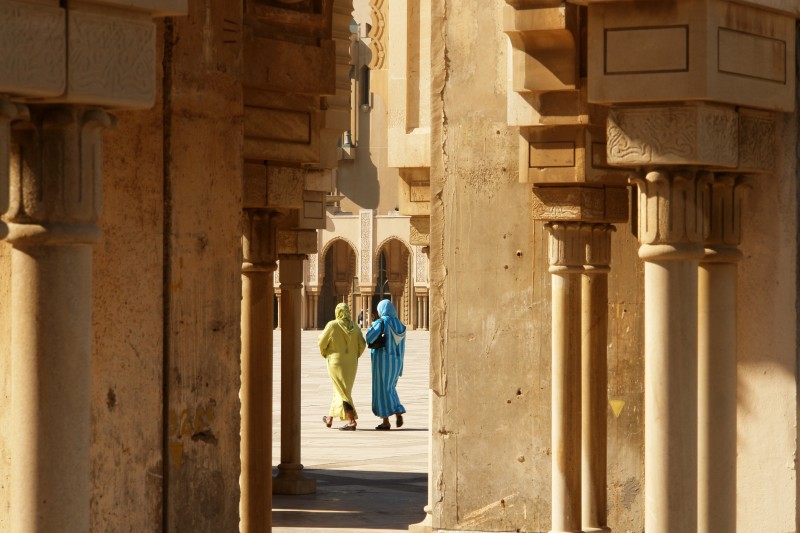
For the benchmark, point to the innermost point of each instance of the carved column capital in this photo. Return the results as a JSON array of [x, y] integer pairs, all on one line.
[[672, 207], [56, 179], [597, 244], [724, 222], [258, 241], [566, 248]]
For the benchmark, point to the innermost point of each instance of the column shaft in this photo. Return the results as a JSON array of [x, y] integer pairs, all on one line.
[[51, 342], [594, 324], [56, 184], [717, 397], [256, 394], [566, 394], [671, 396], [290, 479]]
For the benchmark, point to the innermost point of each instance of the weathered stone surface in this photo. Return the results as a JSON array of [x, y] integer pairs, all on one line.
[[673, 135], [693, 50], [588, 204], [296, 242]]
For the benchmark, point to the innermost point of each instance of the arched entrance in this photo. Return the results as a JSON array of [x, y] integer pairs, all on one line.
[[392, 277], [338, 269]]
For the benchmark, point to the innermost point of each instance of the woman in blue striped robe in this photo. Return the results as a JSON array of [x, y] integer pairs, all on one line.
[[387, 365]]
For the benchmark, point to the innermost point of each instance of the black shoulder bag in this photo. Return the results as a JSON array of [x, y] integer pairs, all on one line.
[[380, 340]]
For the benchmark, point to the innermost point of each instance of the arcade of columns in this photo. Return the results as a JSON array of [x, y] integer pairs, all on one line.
[[689, 157]]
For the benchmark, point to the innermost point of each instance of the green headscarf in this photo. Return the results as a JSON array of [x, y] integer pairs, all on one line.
[[343, 317]]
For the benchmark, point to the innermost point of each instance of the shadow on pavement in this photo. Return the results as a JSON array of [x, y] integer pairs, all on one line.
[[351, 499]]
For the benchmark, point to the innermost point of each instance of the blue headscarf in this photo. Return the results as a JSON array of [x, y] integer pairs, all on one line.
[[389, 315]]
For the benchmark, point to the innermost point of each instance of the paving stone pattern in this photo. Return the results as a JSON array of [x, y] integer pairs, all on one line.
[[367, 480]]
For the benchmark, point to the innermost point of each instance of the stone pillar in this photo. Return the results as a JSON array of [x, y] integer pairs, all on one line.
[[56, 186], [670, 236], [566, 256], [315, 313], [594, 375], [258, 271], [716, 349], [278, 295], [290, 478], [425, 307]]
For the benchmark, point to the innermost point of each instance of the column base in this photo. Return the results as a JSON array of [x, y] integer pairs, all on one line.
[[605, 529], [426, 526], [290, 481]]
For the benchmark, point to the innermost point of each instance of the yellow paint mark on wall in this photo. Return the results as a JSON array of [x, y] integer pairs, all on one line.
[[616, 406]]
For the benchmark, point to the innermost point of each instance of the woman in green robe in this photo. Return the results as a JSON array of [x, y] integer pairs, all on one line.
[[342, 343]]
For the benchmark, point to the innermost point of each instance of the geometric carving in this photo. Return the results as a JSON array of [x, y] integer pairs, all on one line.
[[580, 203], [420, 266], [365, 252], [727, 193], [57, 173], [672, 211], [33, 44], [565, 247], [111, 60], [756, 140], [597, 243], [377, 34], [293, 242], [697, 134]]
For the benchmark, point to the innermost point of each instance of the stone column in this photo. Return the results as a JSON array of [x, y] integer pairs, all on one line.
[[425, 308], [56, 185], [278, 295], [258, 271], [670, 236], [594, 375], [566, 256], [315, 314], [717, 358], [290, 478]]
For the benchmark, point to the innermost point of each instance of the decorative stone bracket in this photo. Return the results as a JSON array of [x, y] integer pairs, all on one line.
[[100, 53]]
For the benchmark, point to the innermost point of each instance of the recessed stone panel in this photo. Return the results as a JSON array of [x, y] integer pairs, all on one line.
[[647, 50], [552, 154], [691, 50], [751, 55], [278, 124]]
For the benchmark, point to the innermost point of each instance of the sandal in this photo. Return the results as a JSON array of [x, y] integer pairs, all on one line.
[[347, 427], [328, 421], [381, 427], [399, 421]]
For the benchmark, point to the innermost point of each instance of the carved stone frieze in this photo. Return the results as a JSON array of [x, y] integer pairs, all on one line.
[[56, 176], [112, 60], [420, 266], [580, 203], [756, 140], [295, 242], [565, 246], [33, 39], [702, 135], [378, 33], [365, 253], [673, 206], [420, 230], [727, 193]]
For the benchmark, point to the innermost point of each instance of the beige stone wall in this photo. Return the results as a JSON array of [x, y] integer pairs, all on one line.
[[491, 430], [5, 377], [198, 205], [767, 350]]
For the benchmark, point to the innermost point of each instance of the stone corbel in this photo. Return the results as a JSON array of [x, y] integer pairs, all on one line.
[[105, 36], [544, 47]]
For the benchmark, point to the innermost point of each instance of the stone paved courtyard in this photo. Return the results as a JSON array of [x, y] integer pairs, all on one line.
[[367, 481]]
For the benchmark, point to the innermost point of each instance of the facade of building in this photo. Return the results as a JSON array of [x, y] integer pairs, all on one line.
[[601, 197]]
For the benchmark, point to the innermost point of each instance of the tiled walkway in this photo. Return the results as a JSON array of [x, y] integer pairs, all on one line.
[[367, 480]]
